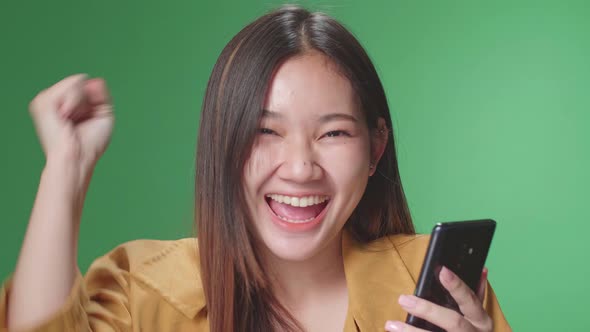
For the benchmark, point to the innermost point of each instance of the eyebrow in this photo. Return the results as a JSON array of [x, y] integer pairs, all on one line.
[[323, 119]]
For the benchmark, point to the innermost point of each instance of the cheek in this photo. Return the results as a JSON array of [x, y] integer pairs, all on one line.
[[258, 166], [347, 161]]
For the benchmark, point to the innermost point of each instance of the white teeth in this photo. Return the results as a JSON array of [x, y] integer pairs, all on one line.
[[298, 201], [303, 202], [295, 221]]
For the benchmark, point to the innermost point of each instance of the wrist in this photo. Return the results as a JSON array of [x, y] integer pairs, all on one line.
[[74, 174]]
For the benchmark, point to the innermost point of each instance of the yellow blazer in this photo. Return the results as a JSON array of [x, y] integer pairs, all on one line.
[[149, 285]]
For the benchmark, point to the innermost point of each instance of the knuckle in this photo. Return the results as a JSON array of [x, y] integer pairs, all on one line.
[[455, 285], [472, 298], [459, 323], [36, 101], [456, 323], [484, 324], [424, 308], [31, 106], [488, 324], [476, 300], [467, 297]]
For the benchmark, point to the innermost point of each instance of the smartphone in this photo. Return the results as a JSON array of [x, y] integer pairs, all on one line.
[[461, 246]]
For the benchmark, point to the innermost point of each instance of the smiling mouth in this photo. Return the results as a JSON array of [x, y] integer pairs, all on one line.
[[297, 210]]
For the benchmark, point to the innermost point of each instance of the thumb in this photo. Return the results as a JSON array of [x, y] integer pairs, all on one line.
[[483, 282], [96, 91], [96, 101]]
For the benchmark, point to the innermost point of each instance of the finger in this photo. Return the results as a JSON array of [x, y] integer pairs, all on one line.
[[445, 318], [468, 302], [89, 99], [51, 99], [66, 94], [399, 326], [483, 282], [60, 88], [72, 100], [97, 92], [97, 101]]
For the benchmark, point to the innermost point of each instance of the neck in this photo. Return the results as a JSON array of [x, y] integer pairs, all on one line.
[[299, 283]]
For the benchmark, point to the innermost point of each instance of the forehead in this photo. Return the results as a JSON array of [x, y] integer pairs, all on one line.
[[310, 83]]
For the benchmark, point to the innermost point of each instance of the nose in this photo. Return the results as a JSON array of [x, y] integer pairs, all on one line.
[[299, 162]]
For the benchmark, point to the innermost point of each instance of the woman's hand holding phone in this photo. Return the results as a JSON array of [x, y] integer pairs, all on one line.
[[475, 318]]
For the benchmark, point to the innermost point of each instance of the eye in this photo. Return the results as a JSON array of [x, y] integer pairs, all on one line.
[[266, 131], [337, 133]]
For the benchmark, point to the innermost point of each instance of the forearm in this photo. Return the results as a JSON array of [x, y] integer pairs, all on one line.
[[47, 264]]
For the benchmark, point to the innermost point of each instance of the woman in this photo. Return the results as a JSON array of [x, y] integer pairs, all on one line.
[[301, 216]]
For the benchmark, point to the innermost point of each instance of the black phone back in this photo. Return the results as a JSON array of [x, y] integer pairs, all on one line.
[[462, 247]]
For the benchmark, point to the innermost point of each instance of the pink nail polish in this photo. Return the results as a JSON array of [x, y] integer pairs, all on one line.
[[407, 301], [394, 326]]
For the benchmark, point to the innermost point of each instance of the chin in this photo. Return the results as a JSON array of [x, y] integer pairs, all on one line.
[[298, 245], [291, 248]]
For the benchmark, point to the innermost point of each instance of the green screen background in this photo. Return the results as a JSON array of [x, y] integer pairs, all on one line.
[[490, 102]]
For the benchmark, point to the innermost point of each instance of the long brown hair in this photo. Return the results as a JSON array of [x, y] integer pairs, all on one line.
[[237, 290]]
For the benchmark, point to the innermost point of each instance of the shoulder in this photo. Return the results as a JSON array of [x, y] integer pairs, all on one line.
[[403, 243], [407, 241], [410, 249], [380, 270], [137, 255], [169, 270]]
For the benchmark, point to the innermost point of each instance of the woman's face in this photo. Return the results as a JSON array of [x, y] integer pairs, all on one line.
[[310, 163]]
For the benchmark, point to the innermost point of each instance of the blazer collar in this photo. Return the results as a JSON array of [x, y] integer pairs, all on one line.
[[376, 276], [174, 273]]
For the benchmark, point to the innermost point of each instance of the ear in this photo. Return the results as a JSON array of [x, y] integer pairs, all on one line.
[[379, 139]]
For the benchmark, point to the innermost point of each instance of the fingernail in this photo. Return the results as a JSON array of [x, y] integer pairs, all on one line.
[[407, 301], [446, 275], [394, 326]]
